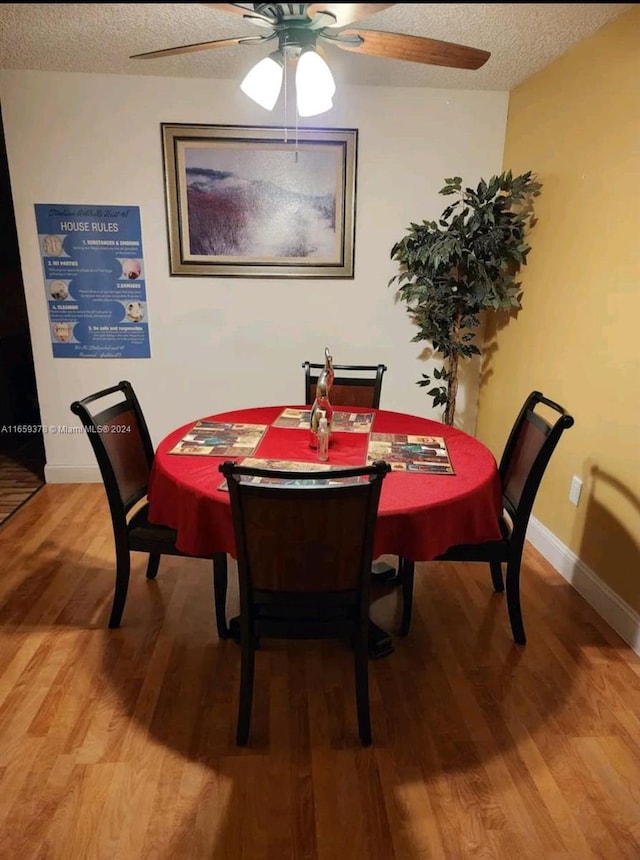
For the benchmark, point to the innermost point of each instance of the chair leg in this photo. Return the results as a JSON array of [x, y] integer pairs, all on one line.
[[496, 575], [361, 666], [513, 602], [220, 594], [382, 573], [405, 573], [152, 566], [247, 667], [123, 569]]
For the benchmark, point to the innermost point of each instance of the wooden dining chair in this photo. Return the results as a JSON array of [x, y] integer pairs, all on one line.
[[532, 441], [304, 547], [118, 433], [353, 384]]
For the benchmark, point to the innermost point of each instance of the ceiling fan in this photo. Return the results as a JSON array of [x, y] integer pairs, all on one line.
[[301, 27]]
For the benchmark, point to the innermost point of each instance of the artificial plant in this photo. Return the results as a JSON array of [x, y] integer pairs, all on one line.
[[462, 264]]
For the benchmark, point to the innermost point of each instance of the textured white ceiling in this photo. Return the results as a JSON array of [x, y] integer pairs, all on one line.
[[100, 37]]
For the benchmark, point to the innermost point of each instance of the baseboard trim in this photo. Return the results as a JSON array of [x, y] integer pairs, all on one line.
[[72, 475], [618, 614]]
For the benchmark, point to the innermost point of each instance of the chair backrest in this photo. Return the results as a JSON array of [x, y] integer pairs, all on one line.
[[526, 455], [300, 536], [353, 384], [120, 439]]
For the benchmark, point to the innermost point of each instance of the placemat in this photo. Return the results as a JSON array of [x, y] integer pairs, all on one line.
[[341, 422], [219, 439], [420, 454]]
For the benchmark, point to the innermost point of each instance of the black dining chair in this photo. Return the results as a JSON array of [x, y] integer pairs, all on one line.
[[353, 384], [304, 547], [532, 441], [118, 433]]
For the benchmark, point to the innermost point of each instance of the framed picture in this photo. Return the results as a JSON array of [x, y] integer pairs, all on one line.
[[259, 202]]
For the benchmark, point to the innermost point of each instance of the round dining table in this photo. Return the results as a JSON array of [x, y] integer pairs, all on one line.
[[420, 515]]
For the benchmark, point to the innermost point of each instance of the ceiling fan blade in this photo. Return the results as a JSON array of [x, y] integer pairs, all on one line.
[[199, 46], [347, 13], [415, 49], [238, 9], [234, 8]]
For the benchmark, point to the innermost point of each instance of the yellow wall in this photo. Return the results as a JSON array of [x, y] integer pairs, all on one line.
[[576, 124]]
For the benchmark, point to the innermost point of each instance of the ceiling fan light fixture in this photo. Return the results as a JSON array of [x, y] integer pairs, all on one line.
[[264, 81], [299, 26], [315, 86]]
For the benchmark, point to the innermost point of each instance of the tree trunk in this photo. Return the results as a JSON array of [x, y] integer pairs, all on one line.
[[452, 391], [452, 388]]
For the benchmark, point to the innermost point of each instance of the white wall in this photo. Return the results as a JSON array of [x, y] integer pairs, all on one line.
[[222, 343]]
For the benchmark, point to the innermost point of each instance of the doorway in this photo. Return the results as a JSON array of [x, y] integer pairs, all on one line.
[[22, 455]]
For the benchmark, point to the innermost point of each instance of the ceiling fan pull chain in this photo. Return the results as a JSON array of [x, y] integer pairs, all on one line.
[[286, 95], [297, 117]]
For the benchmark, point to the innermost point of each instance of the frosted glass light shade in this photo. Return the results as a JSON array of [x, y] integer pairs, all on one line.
[[264, 81], [313, 107], [315, 86]]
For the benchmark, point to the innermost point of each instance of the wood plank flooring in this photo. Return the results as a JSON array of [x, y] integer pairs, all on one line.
[[21, 475], [119, 744]]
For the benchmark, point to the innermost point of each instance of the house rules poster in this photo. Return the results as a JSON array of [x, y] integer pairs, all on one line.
[[94, 280]]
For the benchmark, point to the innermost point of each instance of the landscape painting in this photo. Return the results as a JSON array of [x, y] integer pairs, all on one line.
[[253, 202]]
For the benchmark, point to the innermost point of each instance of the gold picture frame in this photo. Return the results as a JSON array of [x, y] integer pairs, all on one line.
[[260, 202]]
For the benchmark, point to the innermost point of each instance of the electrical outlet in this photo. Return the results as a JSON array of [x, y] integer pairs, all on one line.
[[575, 490]]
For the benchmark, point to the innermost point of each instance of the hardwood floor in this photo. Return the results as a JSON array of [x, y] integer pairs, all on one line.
[[119, 744], [21, 475]]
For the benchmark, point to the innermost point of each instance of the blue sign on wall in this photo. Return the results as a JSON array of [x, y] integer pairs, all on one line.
[[94, 280]]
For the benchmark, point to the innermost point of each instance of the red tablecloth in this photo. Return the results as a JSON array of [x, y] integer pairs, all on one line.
[[420, 516]]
